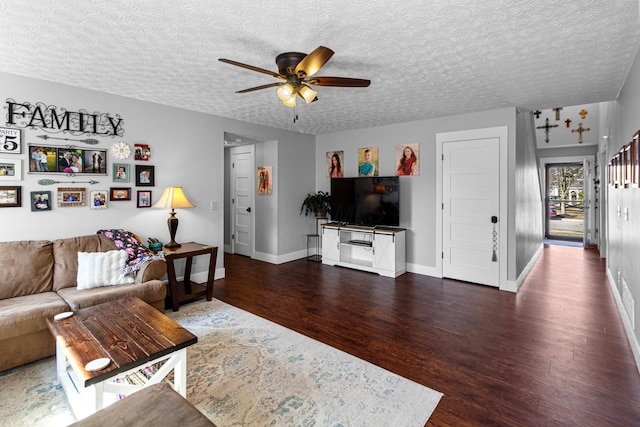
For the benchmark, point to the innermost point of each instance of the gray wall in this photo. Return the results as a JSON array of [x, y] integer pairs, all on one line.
[[187, 150], [624, 235], [529, 227], [418, 193]]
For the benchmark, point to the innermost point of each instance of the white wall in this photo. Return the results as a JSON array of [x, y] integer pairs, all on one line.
[[417, 193]]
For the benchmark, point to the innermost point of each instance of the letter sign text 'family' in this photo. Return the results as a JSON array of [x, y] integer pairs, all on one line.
[[53, 119]]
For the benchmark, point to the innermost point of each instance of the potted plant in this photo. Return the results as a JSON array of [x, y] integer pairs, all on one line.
[[318, 203]]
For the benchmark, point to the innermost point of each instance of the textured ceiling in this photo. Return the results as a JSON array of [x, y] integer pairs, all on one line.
[[425, 58]]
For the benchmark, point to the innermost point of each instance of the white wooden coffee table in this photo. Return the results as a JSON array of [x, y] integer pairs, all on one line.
[[130, 336]]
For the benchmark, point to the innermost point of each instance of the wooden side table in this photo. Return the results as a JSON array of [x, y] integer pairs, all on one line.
[[185, 290]]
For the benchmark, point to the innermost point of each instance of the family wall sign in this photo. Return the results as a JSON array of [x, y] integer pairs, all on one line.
[[54, 119]]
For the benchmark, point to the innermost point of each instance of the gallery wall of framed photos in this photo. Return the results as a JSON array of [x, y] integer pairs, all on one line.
[[624, 166], [68, 163]]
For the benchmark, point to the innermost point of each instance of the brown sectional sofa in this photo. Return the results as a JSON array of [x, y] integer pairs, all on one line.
[[38, 281]]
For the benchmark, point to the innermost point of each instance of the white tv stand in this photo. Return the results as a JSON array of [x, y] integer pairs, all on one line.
[[375, 249]]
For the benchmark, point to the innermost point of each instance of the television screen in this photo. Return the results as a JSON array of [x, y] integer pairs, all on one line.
[[368, 201]]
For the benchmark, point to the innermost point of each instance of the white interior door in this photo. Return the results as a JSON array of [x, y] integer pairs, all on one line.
[[471, 199], [242, 172]]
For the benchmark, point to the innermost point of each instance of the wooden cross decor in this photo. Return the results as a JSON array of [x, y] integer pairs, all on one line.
[[580, 130], [568, 122], [557, 110], [537, 113], [546, 128], [583, 113]]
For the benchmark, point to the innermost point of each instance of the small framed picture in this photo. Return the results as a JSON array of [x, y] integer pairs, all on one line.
[[70, 197], [98, 199], [118, 194], [144, 199], [121, 172], [10, 169], [145, 176], [10, 141], [141, 152], [10, 197], [40, 201]]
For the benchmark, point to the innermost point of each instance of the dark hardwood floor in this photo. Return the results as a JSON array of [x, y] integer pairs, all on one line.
[[554, 354]]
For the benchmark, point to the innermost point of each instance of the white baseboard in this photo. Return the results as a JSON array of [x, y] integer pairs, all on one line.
[[424, 270], [280, 259], [202, 276], [512, 286], [633, 341], [227, 249]]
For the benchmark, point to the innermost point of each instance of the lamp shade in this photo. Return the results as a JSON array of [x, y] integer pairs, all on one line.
[[173, 198]]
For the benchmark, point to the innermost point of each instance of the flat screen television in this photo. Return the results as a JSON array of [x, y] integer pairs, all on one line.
[[367, 200]]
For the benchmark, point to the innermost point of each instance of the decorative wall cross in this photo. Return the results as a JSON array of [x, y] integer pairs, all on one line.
[[546, 128], [557, 110], [537, 113], [580, 130], [583, 113], [568, 122]]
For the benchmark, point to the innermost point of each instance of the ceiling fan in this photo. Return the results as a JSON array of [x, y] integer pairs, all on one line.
[[296, 70]]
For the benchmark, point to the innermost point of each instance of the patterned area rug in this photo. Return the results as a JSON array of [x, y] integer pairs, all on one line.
[[247, 371]]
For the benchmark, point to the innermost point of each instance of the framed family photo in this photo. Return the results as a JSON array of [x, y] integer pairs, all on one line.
[[144, 199], [71, 197], [335, 160], [10, 169], [141, 152], [98, 199], [407, 156], [368, 161], [69, 160], [40, 201], [119, 193], [10, 196], [121, 172], [265, 182], [145, 176]]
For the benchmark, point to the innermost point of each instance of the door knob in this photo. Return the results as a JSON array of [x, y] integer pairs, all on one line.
[[249, 209]]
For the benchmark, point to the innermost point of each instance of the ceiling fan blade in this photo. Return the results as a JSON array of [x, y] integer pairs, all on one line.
[[251, 89], [252, 68], [311, 63], [339, 82]]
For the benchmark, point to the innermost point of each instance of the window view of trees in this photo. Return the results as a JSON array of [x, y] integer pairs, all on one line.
[[565, 185]]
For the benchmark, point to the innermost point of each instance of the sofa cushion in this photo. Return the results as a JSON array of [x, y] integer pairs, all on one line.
[[26, 314], [26, 268], [65, 253], [149, 292], [96, 269]]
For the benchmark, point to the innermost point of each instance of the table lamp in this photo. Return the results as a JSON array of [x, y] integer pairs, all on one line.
[[173, 198]]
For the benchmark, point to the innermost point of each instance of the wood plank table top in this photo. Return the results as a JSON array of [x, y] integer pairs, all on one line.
[[128, 331]]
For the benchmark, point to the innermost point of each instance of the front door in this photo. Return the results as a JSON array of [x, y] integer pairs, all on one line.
[[470, 210], [565, 201], [241, 199]]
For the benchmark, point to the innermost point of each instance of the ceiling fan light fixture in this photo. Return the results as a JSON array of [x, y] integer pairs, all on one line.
[[308, 94], [289, 102], [287, 95], [285, 91]]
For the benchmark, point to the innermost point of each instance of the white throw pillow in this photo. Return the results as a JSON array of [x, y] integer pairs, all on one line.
[[96, 269]]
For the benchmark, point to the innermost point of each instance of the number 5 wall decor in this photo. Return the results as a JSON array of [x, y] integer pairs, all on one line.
[[10, 141]]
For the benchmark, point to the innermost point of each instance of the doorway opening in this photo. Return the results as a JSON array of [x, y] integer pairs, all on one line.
[[565, 202]]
